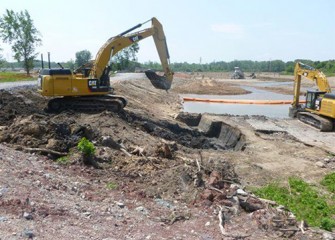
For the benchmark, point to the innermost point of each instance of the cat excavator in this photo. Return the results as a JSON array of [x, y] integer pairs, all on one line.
[[88, 87], [319, 110]]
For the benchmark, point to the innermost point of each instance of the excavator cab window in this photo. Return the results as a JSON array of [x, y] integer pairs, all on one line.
[[311, 99]]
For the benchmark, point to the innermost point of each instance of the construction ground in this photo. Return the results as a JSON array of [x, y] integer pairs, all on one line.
[[157, 173]]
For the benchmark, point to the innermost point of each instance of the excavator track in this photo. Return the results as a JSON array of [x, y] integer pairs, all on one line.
[[324, 124], [90, 104]]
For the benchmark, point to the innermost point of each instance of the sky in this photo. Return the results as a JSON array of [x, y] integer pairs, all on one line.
[[196, 30]]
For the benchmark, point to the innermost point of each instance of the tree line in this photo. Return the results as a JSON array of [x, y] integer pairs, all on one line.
[[278, 66]]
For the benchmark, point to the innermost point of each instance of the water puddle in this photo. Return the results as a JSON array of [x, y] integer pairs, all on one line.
[[272, 111]]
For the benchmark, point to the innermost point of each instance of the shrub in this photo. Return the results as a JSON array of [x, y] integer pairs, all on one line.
[[327, 224], [86, 147]]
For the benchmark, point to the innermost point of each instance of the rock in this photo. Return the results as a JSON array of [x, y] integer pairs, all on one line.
[[320, 164], [164, 150], [53, 144], [191, 119], [3, 219], [87, 214], [28, 216], [3, 191], [33, 129], [28, 233], [163, 203], [208, 224], [107, 141], [241, 192], [328, 236], [213, 178], [142, 210], [251, 204], [120, 204], [207, 195]]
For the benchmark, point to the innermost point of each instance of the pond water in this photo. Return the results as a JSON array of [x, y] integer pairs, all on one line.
[[272, 111]]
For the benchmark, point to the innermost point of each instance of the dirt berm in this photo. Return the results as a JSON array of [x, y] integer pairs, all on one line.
[[156, 174]]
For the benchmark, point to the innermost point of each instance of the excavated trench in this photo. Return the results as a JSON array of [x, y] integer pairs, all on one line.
[[224, 134], [201, 133]]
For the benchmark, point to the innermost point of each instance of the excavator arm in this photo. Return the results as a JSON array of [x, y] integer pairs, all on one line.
[[125, 39], [312, 74]]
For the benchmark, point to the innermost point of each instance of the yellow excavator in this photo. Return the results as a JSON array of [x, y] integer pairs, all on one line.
[[319, 110], [88, 87]]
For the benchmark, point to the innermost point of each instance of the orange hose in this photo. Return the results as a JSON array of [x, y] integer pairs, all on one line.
[[239, 101]]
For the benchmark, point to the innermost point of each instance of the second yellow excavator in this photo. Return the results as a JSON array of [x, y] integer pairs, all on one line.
[[88, 87], [319, 110]]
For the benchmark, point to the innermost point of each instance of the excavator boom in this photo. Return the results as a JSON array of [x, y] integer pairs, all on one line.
[[125, 39]]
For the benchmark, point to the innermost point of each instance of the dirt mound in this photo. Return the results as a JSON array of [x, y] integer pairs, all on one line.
[[19, 103]]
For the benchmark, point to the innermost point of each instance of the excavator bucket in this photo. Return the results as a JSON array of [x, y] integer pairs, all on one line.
[[158, 81]]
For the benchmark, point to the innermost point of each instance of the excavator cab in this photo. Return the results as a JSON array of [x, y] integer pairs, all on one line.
[[313, 99]]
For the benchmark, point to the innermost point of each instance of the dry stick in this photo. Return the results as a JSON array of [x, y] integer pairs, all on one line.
[[125, 151], [301, 227], [221, 221], [288, 229], [223, 231], [215, 189], [267, 201], [199, 164], [45, 150]]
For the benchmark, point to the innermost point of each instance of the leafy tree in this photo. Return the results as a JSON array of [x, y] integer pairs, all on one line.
[[83, 57], [289, 67], [18, 30], [126, 58], [69, 64]]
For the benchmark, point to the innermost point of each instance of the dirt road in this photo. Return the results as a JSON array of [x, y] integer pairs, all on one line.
[[156, 174]]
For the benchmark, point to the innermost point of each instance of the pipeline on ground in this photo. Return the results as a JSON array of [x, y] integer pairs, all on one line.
[[239, 101]]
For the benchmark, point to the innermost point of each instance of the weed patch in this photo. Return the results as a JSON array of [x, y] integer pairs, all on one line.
[[63, 160], [112, 185], [303, 200], [329, 182]]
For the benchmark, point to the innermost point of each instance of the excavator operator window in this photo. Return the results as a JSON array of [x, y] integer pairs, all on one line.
[[311, 98]]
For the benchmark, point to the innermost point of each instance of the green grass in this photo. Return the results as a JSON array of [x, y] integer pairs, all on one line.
[[14, 76], [329, 182], [111, 185], [303, 200], [63, 160]]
